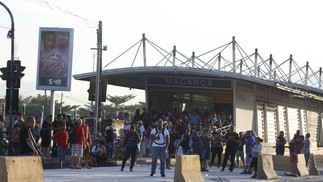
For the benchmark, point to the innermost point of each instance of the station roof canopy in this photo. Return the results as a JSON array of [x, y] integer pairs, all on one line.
[[287, 75]]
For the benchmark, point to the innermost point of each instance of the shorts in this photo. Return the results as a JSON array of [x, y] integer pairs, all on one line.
[[61, 152], [240, 154], [205, 154], [77, 150]]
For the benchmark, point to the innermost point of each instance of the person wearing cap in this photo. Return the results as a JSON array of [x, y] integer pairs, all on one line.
[[77, 148]]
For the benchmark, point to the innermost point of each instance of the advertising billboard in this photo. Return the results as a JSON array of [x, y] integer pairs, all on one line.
[[55, 52]]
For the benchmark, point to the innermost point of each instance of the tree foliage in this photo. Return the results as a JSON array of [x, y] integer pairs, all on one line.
[[34, 105]]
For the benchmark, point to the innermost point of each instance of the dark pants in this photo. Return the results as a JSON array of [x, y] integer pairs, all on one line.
[[216, 151], [254, 162], [129, 152], [280, 150], [232, 154]]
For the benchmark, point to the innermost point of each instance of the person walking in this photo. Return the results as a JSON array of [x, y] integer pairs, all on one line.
[[160, 138], [131, 141], [232, 141]]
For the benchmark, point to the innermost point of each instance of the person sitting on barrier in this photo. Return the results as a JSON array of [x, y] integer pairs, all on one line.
[[280, 144], [306, 147], [256, 151], [98, 153]]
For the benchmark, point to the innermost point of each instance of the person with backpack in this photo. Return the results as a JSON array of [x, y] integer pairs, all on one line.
[[99, 153], [160, 142], [76, 141]]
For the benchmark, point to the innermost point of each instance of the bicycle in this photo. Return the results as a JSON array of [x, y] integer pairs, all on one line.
[[115, 150]]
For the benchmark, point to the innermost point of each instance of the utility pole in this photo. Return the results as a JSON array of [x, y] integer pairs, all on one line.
[[98, 88]]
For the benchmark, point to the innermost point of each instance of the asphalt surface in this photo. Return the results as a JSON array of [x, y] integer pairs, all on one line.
[[141, 173]]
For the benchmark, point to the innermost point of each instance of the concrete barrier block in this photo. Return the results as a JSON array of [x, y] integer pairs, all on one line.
[[299, 167], [21, 169], [188, 169], [281, 163], [312, 164], [266, 167]]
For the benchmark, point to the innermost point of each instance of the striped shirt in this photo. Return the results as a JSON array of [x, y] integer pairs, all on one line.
[[131, 139]]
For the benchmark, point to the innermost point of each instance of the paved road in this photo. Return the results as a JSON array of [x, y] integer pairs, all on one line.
[[141, 174]]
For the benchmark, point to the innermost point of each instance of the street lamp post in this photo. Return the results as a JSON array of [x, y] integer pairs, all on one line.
[[11, 34], [98, 88]]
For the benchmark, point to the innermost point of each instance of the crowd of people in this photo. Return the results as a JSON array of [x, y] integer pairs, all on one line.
[[159, 135]]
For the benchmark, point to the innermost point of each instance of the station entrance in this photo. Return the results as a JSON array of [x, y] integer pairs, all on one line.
[[186, 94]]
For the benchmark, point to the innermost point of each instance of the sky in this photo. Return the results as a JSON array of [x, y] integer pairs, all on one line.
[[274, 27]]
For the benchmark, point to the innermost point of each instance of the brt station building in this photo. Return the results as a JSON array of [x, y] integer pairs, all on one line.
[[261, 94]]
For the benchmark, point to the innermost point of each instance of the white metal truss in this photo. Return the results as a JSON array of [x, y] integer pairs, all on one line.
[[231, 60]]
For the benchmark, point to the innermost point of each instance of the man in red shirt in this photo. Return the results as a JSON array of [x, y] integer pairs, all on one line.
[[87, 142], [77, 148], [61, 138]]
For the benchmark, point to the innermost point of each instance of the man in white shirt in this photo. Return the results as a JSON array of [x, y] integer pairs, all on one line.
[[160, 138]]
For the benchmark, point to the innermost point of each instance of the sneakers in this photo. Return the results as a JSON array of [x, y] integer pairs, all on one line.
[[131, 170], [163, 175], [254, 176], [152, 174], [231, 170], [205, 170], [87, 167], [244, 172]]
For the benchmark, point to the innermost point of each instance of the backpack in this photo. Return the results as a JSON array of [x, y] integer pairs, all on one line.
[[162, 134], [72, 138]]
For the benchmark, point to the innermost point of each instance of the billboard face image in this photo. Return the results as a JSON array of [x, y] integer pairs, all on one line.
[[55, 50]]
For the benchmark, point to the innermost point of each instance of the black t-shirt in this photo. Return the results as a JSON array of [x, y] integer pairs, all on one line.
[[56, 124], [242, 143], [23, 135], [232, 138], [46, 134]]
